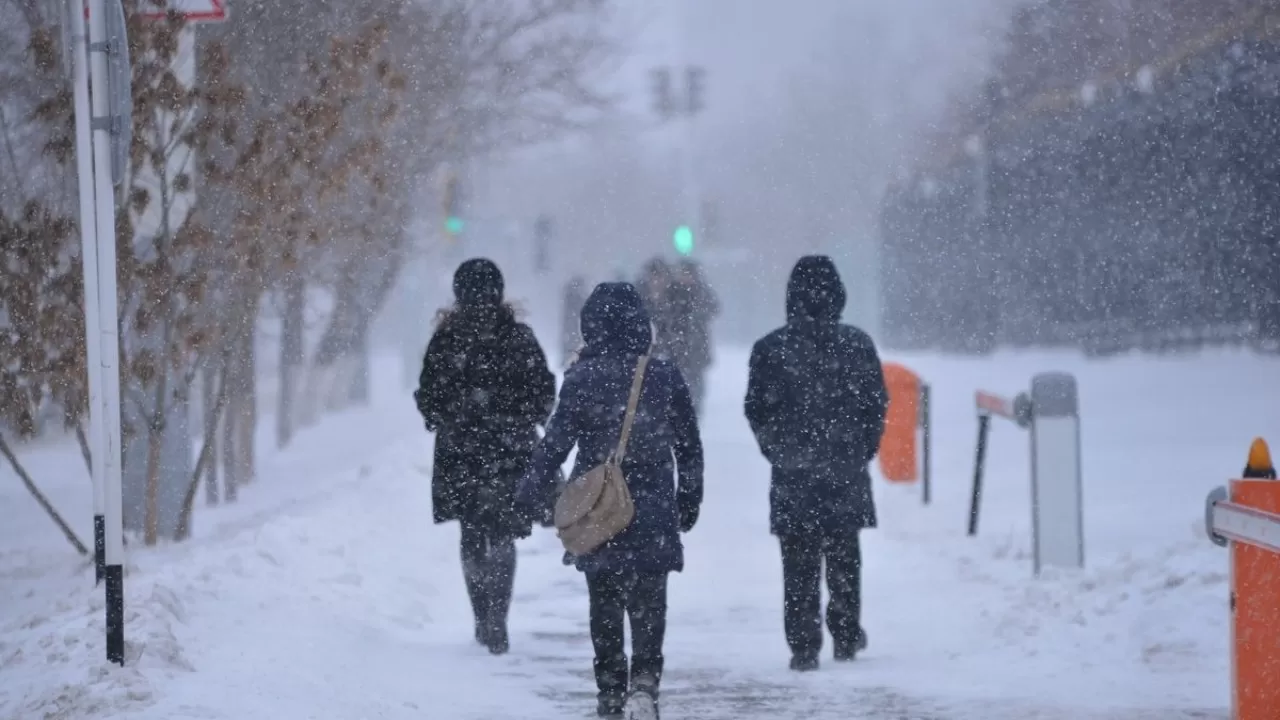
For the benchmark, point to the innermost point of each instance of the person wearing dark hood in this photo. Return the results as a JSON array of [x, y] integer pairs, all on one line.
[[654, 286], [570, 328], [816, 403], [662, 464], [484, 389], [692, 305]]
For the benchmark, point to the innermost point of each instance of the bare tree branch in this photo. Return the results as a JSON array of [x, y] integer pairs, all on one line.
[[44, 503]]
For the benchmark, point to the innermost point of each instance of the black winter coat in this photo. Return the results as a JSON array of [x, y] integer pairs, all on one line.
[[484, 390], [664, 447], [816, 403]]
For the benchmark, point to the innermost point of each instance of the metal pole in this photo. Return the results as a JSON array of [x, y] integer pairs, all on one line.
[[89, 259], [926, 441], [984, 426], [693, 206], [108, 314]]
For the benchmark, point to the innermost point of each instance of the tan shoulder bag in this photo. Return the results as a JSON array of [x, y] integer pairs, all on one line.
[[595, 506]]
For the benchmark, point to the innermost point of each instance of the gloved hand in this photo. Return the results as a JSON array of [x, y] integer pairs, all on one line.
[[547, 515], [525, 516], [688, 513]]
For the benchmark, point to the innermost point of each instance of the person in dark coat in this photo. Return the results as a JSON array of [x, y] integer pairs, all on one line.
[[816, 403], [484, 389], [627, 576], [570, 327], [692, 305], [654, 286]]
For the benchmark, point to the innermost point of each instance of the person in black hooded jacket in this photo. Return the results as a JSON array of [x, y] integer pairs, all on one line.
[[484, 389], [816, 403]]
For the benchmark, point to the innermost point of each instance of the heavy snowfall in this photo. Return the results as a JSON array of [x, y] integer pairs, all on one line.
[[329, 307]]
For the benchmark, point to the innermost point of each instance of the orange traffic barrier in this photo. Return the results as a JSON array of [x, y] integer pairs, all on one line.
[[1255, 622], [904, 446], [1247, 515]]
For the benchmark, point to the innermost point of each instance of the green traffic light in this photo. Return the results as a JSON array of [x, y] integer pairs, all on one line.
[[683, 239], [453, 225]]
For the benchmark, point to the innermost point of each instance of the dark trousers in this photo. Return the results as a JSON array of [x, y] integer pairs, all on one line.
[[643, 599], [489, 567], [802, 559]]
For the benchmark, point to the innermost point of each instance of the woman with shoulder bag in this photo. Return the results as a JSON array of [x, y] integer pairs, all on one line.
[[633, 422], [484, 390]]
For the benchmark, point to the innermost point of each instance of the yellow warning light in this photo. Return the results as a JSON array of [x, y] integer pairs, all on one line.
[[1259, 464]]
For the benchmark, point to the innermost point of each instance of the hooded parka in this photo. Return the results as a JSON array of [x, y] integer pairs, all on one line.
[[663, 464], [816, 403]]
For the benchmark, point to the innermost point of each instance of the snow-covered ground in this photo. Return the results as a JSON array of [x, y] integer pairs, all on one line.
[[328, 593]]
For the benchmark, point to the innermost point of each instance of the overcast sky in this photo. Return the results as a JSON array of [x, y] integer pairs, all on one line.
[[810, 106]]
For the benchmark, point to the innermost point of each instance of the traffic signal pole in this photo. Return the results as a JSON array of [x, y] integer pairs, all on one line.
[[684, 104], [689, 177], [691, 106]]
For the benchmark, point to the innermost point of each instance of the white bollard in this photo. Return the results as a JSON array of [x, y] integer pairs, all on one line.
[[1057, 497]]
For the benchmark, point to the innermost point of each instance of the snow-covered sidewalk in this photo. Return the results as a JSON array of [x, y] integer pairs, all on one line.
[[328, 593]]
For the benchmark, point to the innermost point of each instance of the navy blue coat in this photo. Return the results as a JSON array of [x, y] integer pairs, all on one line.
[[816, 402], [664, 443]]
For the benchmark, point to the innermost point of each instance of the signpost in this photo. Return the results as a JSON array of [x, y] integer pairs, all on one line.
[[1051, 412], [79, 45], [102, 92], [106, 45]]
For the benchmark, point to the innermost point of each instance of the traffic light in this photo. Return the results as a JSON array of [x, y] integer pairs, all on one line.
[[683, 239], [695, 87], [663, 102]]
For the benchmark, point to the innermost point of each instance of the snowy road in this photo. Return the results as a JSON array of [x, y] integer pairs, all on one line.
[[329, 593]]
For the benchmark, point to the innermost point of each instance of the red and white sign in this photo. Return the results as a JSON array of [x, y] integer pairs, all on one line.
[[993, 404], [193, 11]]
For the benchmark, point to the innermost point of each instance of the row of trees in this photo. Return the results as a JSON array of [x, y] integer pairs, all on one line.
[[276, 161], [1088, 200]]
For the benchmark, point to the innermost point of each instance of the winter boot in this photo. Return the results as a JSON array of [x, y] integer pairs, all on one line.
[[610, 705], [476, 592], [804, 662], [844, 652], [496, 639], [642, 703]]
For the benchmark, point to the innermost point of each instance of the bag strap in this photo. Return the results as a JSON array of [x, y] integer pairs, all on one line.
[[632, 402]]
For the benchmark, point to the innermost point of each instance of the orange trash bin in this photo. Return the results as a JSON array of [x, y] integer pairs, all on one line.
[[899, 446]]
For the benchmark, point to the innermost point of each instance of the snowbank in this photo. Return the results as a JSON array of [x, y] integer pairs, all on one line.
[[327, 592]]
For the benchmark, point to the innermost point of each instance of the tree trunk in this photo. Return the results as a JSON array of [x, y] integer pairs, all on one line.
[[240, 417], [151, 514], [213, 414], [231, 418], [359, 389], [209, 405], [292, 357], [247, 429]]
